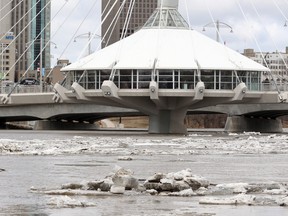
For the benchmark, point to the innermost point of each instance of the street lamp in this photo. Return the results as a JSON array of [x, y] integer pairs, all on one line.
[[55, 45], [88, 35], [218, 25]]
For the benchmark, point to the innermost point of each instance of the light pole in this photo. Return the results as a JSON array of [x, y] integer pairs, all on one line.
[[218, 26], [88, 35]]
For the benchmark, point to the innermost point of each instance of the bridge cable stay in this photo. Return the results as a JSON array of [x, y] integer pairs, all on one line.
[[10, 10], [258, 46], [1, 9], [94, 33], [187, 13], [286, 2], [114, 23], [30, 44], [155, 72], [91, 38], [28, 47], [44, 47], [281, 11], [14, 39], [73, 36], [97, 30], [79, 26], [103, 36], [274, 43], [221, 39], [198, 70], [123, 35], [127, 19]]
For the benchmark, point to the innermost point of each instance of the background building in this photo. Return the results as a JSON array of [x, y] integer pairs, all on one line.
[[140, 14], [7, 57], [276, 61], [28, 20]]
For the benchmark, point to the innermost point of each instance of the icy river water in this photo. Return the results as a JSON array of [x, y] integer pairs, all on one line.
[[32, 162]]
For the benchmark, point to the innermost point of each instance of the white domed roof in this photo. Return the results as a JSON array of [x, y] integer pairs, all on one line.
[[167, 40]]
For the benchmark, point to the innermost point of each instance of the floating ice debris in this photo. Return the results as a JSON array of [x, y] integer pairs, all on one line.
[[183, 183], [252, 133], [115, 183], [176, 182], [233, 134], [232, 188], [125, 158], [124, 178], [283, 201], [69, 192], [67, 202], [224, 144], [117, 189], [72, 186], [184, 193], [276, 192], [240, 199]]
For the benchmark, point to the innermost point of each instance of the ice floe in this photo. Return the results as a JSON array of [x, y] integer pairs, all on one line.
[[183, 183], [68, 202], [124, 147]]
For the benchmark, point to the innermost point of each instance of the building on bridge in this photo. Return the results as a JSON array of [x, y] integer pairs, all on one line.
[[163, 70]]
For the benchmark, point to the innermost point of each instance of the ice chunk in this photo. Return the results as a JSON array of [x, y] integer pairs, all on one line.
[[67, 202], [240, 199]]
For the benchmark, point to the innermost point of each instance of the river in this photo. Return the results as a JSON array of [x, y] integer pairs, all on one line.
[[44, 160]]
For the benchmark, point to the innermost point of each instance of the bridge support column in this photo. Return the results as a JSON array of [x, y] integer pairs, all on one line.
[[242, 124], [168, 122]]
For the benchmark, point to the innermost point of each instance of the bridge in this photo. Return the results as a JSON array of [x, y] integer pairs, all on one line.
[[163, 71], [79, 108]]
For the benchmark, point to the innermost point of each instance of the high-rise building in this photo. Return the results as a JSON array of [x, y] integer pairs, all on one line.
[[111, 30], [29, 22], [7, 57], [7, 49], [5, 19]]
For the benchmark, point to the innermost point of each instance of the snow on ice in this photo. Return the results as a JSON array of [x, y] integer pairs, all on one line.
[[246, 143]]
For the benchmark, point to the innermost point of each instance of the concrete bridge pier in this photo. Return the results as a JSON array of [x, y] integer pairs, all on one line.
[[246, 124], [168, 122]]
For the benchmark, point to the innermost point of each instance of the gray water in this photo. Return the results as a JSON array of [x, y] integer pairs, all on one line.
[[51, 171]]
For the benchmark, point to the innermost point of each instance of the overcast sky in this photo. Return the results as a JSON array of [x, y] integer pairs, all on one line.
[[257, 24]]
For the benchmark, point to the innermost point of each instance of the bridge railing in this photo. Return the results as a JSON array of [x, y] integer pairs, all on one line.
[[272, 87]]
